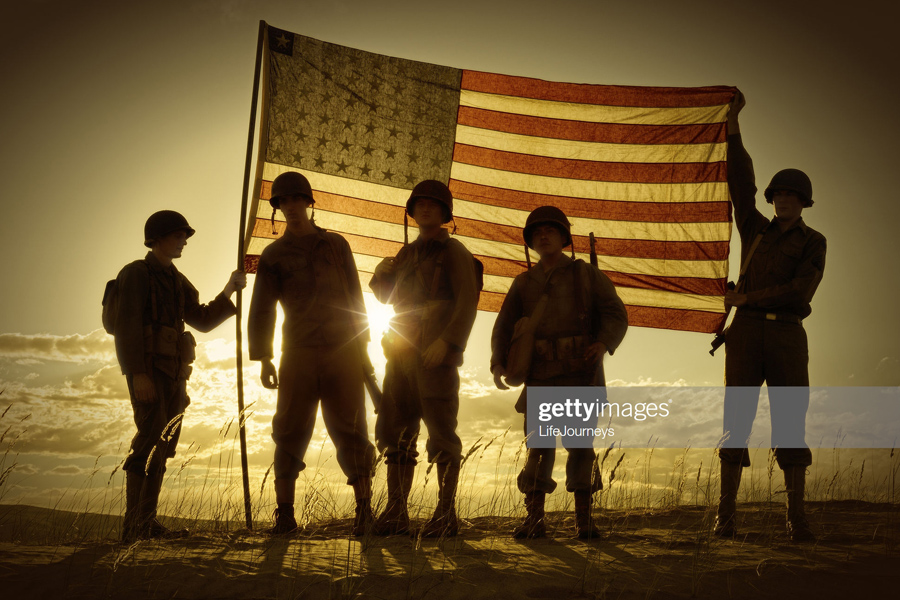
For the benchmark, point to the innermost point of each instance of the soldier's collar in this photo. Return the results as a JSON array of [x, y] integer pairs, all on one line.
[[442, 236], [158, 266], [318, 232], [799, 224], [538, 269]]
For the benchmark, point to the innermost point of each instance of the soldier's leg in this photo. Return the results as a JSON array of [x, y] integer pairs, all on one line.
[[439, 390], [292, 428], [396, 433], [744, 373], [787, 374], [583, 480], [344, 413]]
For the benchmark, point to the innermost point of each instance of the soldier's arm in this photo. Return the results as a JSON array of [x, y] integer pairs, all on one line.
[[795, 295], [460, 267], [205, 317], [741, 178], [133, 285], [261, 319], [355, 289], [608, 314], [511, 311]]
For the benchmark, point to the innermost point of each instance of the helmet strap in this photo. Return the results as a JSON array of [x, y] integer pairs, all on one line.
[[452, 220], [527, 256], [273, 220], [405, 228]]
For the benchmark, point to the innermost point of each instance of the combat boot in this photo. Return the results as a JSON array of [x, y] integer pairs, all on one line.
[[131, 523], [533, 526], [363, 519], [584, 519], [795, 484], [150, 526], [444, 522], [730, 482], [285, 523], [395, 518]]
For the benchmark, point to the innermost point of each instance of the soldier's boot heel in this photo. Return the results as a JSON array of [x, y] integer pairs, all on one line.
[[150, 527], [395, 518], [726, 513], [798, 528], [533, 526], [131, 523], [584, 520], [444, 522], [285, 523], [364, 519]]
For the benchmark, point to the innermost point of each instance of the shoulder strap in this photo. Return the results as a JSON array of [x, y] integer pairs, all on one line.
[[583, 314], [154, 309], [746, 265]]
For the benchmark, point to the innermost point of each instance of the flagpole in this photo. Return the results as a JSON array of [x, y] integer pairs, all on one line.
[[239, 350]]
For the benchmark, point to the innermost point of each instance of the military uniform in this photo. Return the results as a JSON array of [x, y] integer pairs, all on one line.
[[312, 276], [766, 341], [432, 286], [154, 303], [568, 327]]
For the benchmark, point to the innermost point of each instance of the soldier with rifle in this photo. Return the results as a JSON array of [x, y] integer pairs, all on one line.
[[577, 318], [432, 285], [311, 272], [783, 261]]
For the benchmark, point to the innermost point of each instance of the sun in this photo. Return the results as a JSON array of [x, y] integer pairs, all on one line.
[[379, 316]]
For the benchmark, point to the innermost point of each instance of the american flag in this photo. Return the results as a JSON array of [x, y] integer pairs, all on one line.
[[643, 168]]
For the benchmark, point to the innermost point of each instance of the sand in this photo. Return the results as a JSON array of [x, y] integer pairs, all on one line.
[[643, 554]]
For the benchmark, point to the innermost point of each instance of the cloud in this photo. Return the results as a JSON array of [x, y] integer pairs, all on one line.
[[95, 346]]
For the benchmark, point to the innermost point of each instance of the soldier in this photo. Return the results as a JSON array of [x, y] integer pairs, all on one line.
[[154, 301], [432, 285], [312, 273], [766, 340], [584, 319]]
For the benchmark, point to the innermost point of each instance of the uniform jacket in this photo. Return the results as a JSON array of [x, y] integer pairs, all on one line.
[[606, 319], [135, 312], [786, 267], [307, 274], [407, 281]]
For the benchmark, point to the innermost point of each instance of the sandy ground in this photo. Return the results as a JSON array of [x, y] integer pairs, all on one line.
[[646, 554]]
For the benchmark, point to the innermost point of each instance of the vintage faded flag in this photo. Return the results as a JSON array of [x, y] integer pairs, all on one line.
[[643, 168]]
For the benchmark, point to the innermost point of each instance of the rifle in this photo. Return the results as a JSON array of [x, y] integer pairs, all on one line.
[[720, 334], [369, 378]]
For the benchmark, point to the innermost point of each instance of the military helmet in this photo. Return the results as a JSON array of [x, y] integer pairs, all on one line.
[[162, 223], [547, 215], [791, 180], [434, 190], [290, 183]]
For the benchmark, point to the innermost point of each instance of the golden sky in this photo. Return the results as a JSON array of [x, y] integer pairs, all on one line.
[[113, 110]]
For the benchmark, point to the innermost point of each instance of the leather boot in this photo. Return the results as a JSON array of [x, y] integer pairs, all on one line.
[[795, 485], [285, 523], [395, 518], [131, 523], [584, 520], [363, 519], [730, 482], [533, 526], [444, 522], [150, 525]]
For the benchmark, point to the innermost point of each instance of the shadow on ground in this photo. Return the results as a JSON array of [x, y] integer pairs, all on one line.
[[643, 554]]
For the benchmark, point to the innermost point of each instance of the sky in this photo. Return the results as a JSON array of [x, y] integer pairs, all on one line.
[[112, 111]]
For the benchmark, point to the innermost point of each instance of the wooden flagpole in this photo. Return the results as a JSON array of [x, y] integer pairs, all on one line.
[[240, 265]]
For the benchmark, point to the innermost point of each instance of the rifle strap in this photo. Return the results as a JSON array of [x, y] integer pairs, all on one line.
[[746, 264]]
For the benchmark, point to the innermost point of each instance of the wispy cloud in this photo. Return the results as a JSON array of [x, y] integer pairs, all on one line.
[[95, 346]]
